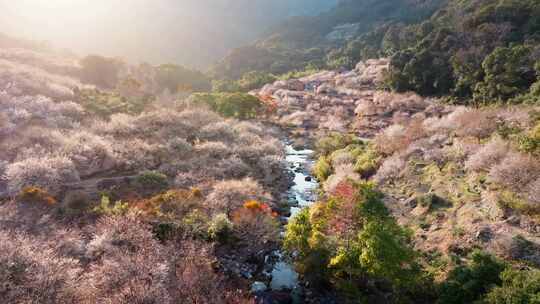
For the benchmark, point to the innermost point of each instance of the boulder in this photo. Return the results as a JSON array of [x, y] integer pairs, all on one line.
[[295, 85], [484, 234], [258, 287]]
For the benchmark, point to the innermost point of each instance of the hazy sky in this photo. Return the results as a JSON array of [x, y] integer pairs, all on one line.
[[186, 31]]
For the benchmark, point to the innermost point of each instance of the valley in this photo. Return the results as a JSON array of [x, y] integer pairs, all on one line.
[[369, 152]]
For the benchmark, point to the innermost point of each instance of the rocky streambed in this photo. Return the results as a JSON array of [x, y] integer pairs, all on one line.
[[284, 283]]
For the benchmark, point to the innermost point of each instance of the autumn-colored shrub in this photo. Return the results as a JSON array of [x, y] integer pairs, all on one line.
[[345, 190], [255, 224], [341, 173], [36, 195]]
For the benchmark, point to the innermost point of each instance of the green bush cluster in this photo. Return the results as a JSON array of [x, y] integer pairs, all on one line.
[[467, 283], [152, 180], [530, 142], [365, 158], [220, 228], [104, 104], [368, 161], [517, 287], [335, 141], [235, 105], [106, 207], [322, 169], [487, 280]]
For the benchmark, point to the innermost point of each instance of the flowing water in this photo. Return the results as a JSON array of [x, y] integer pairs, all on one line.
[[301, 195]]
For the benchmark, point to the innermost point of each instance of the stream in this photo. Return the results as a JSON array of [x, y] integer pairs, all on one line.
[[300, 195]]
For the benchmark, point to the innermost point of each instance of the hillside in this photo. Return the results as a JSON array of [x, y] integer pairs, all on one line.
[[302, 41], [109, 193], [460, 179], [437, 48]]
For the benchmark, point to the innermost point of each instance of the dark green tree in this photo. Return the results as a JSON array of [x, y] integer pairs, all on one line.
[[468, 283], [508, 73], [518, 287]]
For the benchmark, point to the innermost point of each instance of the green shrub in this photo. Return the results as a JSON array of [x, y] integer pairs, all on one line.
[[309, 70], [105, 104], [334, 142], [322, 169], [518, 287], [236, 105], [220, 228], [254, 80], [106, 208], [153, 180], [225, 86], [530, 142], [165, 231], [467, 284], [195, 224], [367, 161]]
